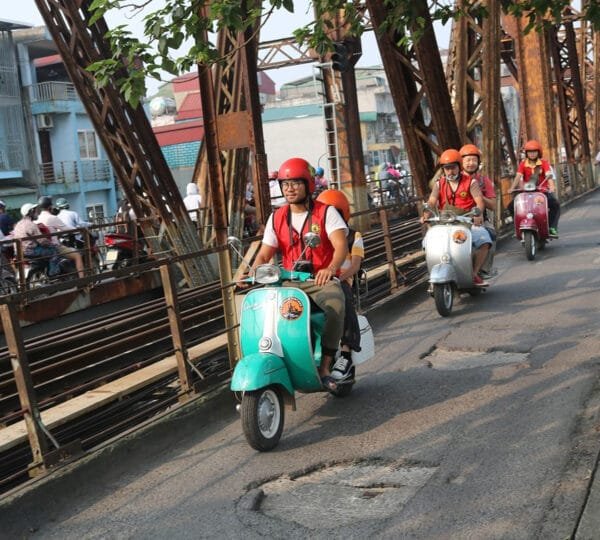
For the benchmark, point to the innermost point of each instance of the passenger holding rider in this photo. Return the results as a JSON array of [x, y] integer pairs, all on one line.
[[534, 166], [456, 191], [284, 232], [54, 224], [25, 228], [471, 161], [350, 341]]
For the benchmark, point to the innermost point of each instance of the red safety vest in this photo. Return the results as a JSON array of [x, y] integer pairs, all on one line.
[[290, 242], [461, 197]]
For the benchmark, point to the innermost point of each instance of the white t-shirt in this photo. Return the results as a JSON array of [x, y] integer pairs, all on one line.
[[333, 222]]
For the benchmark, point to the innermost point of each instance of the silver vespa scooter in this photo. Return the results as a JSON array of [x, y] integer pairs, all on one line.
[[449, 257]]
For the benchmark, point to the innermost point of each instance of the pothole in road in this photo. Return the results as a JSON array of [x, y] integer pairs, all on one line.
[[443, 359], [339, 495]]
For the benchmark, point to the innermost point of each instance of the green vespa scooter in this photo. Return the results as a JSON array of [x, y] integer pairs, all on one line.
[[281, 351]]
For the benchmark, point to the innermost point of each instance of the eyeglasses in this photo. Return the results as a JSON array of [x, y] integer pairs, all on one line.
[[291, 184]]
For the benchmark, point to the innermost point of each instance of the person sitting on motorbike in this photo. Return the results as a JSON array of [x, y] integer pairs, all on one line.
[[455, 190], [284, 233], [471, 161], [55, 224], [534, 166], [350, 341], [25, 228], [320, 181]]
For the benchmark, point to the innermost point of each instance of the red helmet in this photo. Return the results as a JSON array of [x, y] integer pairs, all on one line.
[[533, 145], [297, 169], [470, 150], [450, 156], [336, 198]]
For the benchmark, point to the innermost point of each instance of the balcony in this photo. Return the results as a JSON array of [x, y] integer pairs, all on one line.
[[71, 172], [53, 91], [54, 97]]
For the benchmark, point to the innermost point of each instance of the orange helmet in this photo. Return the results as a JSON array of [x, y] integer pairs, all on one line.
[[336, 198], [450, 156], [470, 150], [297, 169], [533, 145]]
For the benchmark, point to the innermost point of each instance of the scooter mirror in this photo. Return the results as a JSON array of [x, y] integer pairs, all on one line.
[[476, 212], [311, 240], [234, 242]]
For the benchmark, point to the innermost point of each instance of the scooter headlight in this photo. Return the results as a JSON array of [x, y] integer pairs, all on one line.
[[445, 258], [267, 273], [529, 215]]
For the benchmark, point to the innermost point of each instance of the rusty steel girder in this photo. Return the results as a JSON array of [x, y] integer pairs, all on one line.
[[420, 97], [571, 101], [537, 118], [125, 133], [239, 137]]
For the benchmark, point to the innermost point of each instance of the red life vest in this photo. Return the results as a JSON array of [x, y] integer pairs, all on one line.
[[541, 167], [290, 242], [461, 197]]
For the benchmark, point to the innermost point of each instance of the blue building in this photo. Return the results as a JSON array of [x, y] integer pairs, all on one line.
[[61, 153]]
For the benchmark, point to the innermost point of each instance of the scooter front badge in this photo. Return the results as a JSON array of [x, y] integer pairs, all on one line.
[[291, 308]]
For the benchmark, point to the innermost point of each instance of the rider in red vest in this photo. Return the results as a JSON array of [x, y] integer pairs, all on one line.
[[284, 231], [456, 190], [533, 164], [471, 161]]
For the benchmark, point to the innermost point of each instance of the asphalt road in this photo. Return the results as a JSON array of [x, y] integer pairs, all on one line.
[[482, 425]]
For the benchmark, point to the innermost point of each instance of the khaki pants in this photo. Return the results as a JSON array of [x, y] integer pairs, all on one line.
[[330, 298]]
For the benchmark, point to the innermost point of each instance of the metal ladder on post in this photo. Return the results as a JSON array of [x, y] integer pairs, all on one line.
[[322, 72]]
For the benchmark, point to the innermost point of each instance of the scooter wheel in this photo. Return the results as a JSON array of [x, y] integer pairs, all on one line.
[[262, 418], [530, 245], [443, 294]]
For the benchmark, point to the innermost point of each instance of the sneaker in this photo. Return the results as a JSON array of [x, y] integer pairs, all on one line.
[[485, 275], [478, 281], [342, 368], [553, 232]]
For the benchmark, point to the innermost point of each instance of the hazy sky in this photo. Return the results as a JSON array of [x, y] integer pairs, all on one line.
[[279, 26]]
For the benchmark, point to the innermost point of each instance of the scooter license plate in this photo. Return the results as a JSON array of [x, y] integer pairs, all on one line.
[[111, 256]]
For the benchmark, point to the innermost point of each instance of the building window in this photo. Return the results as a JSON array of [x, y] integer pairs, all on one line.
[[95, 213], [88, 148]]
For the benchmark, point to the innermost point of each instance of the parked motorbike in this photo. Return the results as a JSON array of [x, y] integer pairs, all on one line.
[[281, 351], [120, 250], [531, 219], [448, 253]]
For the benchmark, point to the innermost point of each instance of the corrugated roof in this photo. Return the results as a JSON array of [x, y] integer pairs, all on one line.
[[191, 107], [370, 116], [287, 113], [276, 114]]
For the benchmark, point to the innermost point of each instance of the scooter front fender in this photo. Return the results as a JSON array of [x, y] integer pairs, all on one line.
[[259, 370], [443, 273]]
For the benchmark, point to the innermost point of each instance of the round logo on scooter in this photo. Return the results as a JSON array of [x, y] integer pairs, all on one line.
[[291, 308], [459, 237]]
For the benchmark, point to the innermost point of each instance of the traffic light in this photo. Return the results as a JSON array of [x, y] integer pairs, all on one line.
[[339, 57]]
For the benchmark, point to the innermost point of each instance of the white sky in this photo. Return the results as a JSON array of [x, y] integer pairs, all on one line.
[[279, 26]]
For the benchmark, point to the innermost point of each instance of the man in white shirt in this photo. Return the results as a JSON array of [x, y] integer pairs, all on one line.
[[284, 232], [55, 224]]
